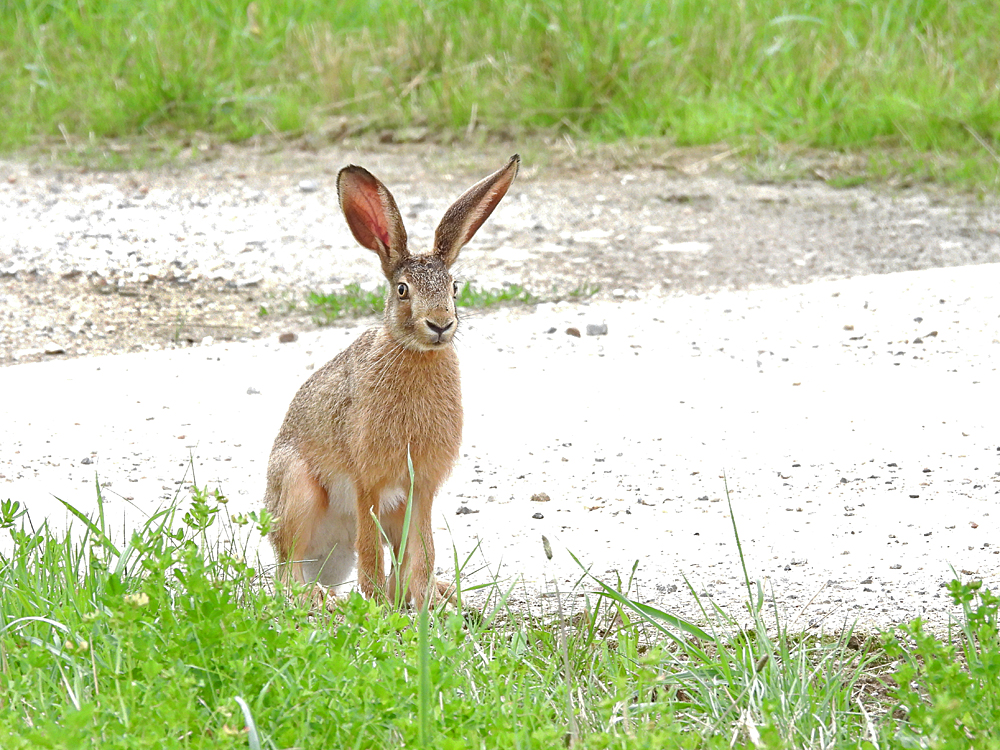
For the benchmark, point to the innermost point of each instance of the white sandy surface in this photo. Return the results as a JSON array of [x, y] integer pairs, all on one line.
[[859, 444]]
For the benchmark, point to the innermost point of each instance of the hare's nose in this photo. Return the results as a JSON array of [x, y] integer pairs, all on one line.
[[440, 330]]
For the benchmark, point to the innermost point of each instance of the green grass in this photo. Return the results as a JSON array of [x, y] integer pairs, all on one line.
[[164, 640], [917, 77], [355, 302]]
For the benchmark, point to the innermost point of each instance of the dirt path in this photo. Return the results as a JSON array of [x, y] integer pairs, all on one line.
[[111, 262]]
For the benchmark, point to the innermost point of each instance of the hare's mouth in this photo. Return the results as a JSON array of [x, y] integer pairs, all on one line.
[[437, 334]]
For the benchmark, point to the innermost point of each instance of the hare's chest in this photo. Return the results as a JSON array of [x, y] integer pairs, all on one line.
[[417, 420]]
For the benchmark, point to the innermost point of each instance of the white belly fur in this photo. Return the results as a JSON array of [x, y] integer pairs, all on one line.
[[330, 556]]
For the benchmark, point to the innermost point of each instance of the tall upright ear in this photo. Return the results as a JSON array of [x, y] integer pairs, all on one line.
[[468, 213], [372, 215]]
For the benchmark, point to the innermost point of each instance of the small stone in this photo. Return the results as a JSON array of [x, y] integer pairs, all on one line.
[[464, 510], [867, 581], [538, 516], [53, 348], [618, 293], [597, 330], [87, 460], [308, 186], [288, 337], [251, 391], [551, 330], [897, 566], [540, 497], [849, 327], [573, 332]]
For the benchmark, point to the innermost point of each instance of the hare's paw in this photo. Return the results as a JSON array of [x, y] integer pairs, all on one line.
[[444, 592], [319, 598]]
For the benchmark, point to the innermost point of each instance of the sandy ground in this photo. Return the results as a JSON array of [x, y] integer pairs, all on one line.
[[854, 421]]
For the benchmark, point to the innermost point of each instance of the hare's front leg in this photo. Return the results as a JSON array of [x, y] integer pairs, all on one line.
[[371, 569], [416, 572]]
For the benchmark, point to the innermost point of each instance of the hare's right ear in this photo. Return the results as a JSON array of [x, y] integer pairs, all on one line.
[[469, 212], [372, 215]]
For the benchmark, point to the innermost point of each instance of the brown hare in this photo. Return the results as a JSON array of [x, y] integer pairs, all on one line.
[[340, 459]]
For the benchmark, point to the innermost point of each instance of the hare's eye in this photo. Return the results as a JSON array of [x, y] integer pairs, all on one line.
[[454, 289], [403, 291]]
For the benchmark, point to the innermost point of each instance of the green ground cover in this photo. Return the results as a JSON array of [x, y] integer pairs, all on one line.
[[169, 640]]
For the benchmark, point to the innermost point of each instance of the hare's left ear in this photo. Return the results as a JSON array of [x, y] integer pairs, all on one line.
[[469, 212]]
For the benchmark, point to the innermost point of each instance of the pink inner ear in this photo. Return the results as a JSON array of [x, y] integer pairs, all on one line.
[[369, 212], [364, 209]]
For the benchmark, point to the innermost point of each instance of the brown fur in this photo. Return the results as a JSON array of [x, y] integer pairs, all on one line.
[[339, 460]]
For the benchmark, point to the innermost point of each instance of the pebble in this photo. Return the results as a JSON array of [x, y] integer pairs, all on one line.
[[288, 337], [538, 516], [540, 497], [599, 329], [573, 332], [308, 186]]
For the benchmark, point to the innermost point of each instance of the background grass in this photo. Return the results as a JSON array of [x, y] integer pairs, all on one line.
[[920, 75]]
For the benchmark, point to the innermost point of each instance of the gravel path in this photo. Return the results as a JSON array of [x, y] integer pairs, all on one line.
[[853, 419], [102, 262]]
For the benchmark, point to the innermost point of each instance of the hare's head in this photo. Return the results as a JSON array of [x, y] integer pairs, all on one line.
[[420, 308]]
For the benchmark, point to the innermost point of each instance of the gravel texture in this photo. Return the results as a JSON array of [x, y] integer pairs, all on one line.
[[853, 419], [99, 262]]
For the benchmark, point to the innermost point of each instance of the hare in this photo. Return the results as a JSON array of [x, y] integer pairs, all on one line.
[[337, 472]]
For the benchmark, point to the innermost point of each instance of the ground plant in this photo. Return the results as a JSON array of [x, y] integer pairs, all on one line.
[[171, 637], [912, 83], [355, 302]]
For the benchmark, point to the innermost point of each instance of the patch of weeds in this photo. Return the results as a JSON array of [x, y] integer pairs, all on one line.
[[469, 296], [355, 302], [951, 693], [584, 291]]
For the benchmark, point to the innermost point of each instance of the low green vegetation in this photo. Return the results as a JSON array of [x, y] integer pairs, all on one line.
[[917, 79], [168, 640], [355, 302]]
